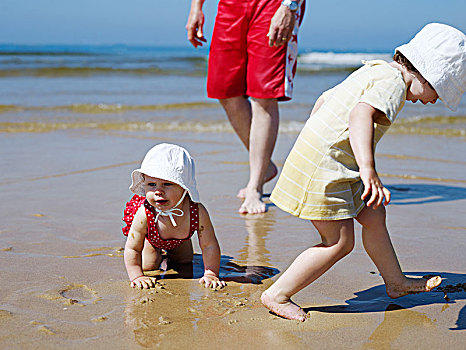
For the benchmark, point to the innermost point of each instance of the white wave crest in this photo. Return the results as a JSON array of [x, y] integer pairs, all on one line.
[[329, 60]]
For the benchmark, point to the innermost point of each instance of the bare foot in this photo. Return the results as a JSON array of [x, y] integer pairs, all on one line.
[[272, 171], [242, 193], [253, 203], [413, 286], [286, 309]]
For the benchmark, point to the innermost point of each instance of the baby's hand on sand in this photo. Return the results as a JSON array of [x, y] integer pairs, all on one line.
[[143, 282], [374, 188], [209, 280]]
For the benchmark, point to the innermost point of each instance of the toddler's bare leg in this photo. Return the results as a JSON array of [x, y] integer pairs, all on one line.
[[379, 247], [151, 257], [183, 254], [337, 241]]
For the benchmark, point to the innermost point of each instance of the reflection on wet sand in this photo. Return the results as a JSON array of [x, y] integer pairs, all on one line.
[[399, 318], [51, 302], [254, 252], [155, 316], [205, 318], [397, 321]]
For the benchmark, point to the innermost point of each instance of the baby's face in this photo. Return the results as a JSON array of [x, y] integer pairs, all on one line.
[[421, 90], [162, 194]]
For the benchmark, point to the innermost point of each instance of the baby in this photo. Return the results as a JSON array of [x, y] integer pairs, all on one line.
[[164, 214]]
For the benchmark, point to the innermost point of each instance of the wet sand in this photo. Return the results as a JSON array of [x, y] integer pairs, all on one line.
[[63, 282]]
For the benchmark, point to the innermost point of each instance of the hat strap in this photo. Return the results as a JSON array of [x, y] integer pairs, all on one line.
[[172, 212]]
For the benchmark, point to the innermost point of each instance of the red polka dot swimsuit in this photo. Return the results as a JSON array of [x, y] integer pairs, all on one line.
[[152, 233]]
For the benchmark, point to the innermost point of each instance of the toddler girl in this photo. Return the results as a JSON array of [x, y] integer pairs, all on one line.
[[163, 214], [330, 178]]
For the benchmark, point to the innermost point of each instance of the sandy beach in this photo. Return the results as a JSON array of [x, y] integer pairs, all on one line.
[[74, 123], [63, 281]]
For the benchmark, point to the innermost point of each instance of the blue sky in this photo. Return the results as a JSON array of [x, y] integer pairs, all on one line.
[[365, 25]]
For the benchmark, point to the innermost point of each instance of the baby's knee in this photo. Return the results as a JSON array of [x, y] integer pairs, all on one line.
[[151, 264], [151, 259]]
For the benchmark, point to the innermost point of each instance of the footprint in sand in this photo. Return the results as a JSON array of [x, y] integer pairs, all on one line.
[[45, 330], [42, 328], [5, 314], [78, 294]]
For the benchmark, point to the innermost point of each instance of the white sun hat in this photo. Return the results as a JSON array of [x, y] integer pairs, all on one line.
[[168, 162], [438, 52]]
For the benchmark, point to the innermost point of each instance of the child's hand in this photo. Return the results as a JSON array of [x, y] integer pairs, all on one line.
[[373, 187], [143, 282], [210, 280]]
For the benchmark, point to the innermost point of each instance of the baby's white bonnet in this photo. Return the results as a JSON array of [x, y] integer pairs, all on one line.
[[168, 162]]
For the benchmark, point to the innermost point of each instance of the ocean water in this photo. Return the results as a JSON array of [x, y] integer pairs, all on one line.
[[161, 88]]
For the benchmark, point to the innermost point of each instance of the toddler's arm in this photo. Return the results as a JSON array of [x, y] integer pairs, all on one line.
[[133, 251], [361, 129], [210, 251]]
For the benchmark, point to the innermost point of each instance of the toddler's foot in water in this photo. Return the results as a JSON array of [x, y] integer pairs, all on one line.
[[286, 309], [413, 286], [272, 171]]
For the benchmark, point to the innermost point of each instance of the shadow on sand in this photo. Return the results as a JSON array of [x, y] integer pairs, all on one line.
[[229, 271], [404, 194], [375, 299]]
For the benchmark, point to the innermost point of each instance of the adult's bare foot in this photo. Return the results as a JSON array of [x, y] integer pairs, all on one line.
[[413, 286], [287, 309], [253, 203], [272, 171]]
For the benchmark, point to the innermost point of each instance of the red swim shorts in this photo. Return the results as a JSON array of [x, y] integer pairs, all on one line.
[[241, 62]]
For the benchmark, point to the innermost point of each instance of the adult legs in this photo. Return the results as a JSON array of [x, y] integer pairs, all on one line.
[[337, 241], [239, 113], [256, 124], [378, 246]]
